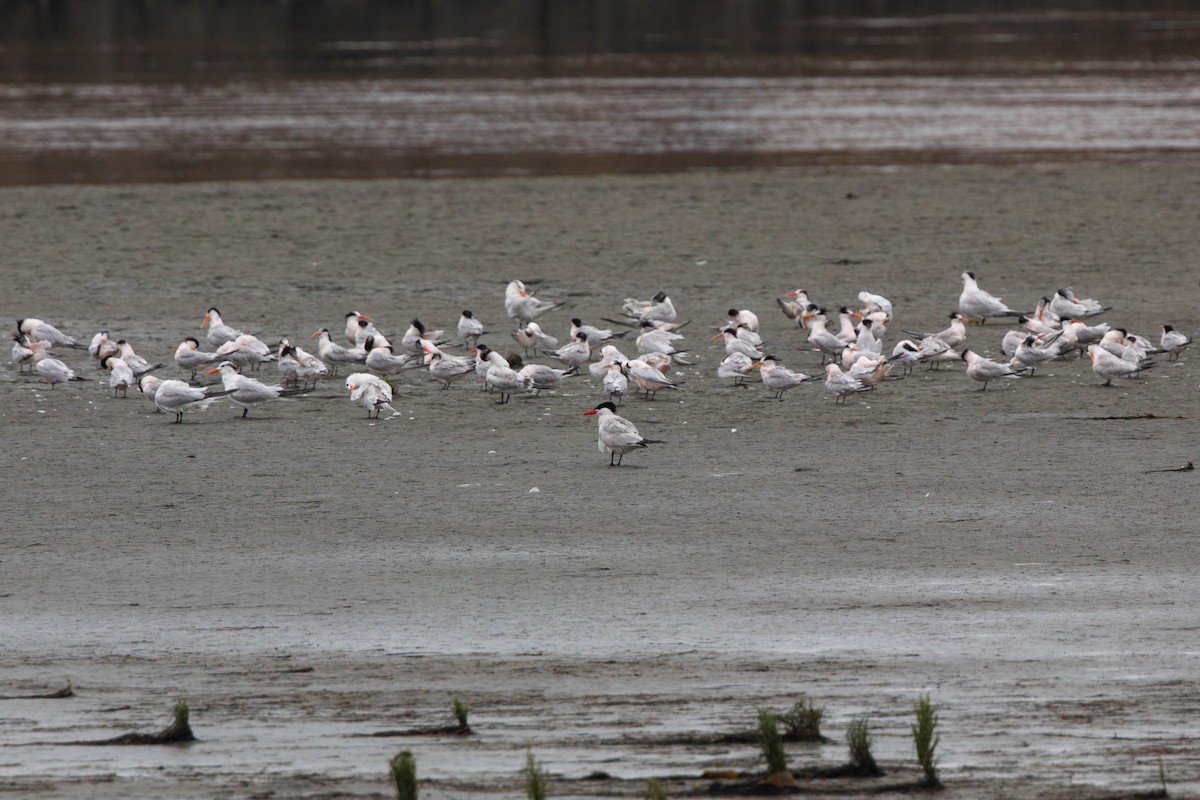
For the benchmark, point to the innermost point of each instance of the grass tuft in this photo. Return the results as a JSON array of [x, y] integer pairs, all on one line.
[[1162, 776], [803, 720], [858, 737], [404, 774], [770, 742], [926, 738], [654, 790], [460, 713], [535, 777]]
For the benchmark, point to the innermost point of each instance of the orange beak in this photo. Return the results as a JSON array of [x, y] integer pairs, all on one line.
[[204, 322], [718, 336], [589, 413], [364, 316], [523, 294], [315, 334], [213, 370]]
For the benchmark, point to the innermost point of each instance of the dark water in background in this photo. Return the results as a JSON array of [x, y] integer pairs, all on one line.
[[110, 91]]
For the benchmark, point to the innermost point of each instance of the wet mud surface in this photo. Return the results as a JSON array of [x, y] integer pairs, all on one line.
[[306, 578]]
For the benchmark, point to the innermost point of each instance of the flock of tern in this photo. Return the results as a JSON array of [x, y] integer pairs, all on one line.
[[1058, 326]]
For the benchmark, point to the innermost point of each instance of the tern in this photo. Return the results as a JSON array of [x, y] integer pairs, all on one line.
[[520, 304], [743, 317], [176, 396], [53, 371], [1109, 366], [139, 365], [978, 304], [500, 376], [736, 366], [149, 385], [120, 375], [1173, 342], [595, 336], [540, 376], [648, 379], [382, 360], [190, 357], [334, 354], [371, 392], [776, 378], [617, 435], [352, 325], [39, 331], [794, 307], [247, 392], [615, 382], [985, 370], [415, 337], [873, 303], [1065, 305], [218, 332], [469, 328], [659, 308], [530, 336], [840, 384], [574, 354]]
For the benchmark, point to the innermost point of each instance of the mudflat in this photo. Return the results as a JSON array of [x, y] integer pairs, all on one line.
[[307, 578]]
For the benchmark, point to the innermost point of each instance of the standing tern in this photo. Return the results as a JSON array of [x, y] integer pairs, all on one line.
[[1109, 366], [149, 385], [469, 328], [1173, 342], [53, 371], [985, 370], [841, 384], [218, 332], [615, 382], [574, 354], [120, 375], [139, 365], [371, 392], [247, 392], [500, 376], [778, 379], [978, 304], [736, 366], [176, 396], [190, 357], [617, 435], [334, 354], [648, 379], [382, 361], [530, 336], [352, 325], [540, 376]]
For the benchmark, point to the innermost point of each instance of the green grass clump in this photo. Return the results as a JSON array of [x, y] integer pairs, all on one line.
[[770, 742], [1162, 777], [654, 790], [535, 778], [803, 720], [460, 713], [926, 738], [404, 775], [858, 737]]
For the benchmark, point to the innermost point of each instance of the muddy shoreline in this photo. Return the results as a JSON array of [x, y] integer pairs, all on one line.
[[305, 576]]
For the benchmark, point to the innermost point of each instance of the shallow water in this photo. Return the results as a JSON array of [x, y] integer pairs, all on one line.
[[102, 93]]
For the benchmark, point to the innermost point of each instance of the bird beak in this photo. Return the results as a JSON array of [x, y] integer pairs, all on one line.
[[364, 316], [315, 334], [204, 322], [718, 336], [756, 364], [589, 413], [214, 369]]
